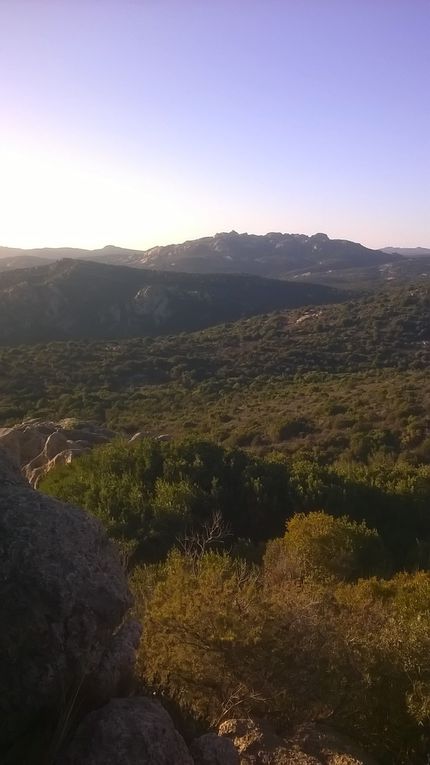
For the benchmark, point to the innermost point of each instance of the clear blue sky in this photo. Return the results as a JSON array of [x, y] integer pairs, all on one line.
[[139, 122]]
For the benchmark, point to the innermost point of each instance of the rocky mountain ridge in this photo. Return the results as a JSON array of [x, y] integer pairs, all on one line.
[[274, 255]]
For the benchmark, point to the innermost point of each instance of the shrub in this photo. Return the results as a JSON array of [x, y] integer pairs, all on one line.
[[323, 547], [219, 640], [153, 491]]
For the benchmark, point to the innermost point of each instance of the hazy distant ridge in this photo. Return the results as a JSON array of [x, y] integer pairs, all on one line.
[[408, 252]]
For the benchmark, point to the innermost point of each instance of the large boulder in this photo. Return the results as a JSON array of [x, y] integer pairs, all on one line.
[[211, 749], [133, 731], [63, 598], [24, 442]]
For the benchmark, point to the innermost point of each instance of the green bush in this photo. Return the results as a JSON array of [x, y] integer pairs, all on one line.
[[153, 492], [220, 639], [319, 546]]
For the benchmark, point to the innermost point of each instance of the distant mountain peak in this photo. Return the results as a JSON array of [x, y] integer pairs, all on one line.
[[232, 233], [322, 236]]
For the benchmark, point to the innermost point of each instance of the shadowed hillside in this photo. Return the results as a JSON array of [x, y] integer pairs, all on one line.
[[76, 299]]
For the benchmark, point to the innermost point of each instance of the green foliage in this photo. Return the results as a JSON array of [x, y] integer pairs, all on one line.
[[392, 498], [189, 618], [220, 639], [148, 493], [322, 547], [334, 402], [152, 492], [270, 380]]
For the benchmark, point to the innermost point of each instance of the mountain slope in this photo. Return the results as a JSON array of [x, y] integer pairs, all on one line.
[[388, 330], [22, 261], [74, 299], [333, 377]]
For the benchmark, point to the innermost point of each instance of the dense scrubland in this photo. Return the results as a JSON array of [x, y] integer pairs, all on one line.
[[275, 587], [344, 380], [279, 544]]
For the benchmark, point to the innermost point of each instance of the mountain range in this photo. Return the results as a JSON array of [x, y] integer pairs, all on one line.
[[274, 255]]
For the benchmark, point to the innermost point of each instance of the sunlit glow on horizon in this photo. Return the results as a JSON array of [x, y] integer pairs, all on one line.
[[125, 124], [51, 200]]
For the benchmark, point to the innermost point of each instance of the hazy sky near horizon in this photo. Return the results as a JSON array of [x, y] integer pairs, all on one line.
[[143, 122]]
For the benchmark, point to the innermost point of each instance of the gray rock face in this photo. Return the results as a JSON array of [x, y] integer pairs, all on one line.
[[211, 749], [154, 301], [63, 596], [115, 672], [134, 731], [38, 445]]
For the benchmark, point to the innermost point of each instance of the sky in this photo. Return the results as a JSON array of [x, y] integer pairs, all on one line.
[[144, 122]]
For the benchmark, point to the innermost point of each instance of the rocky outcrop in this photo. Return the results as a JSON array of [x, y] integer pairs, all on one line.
[[63, 599], [134, 731], [254, 740], [257, 744], [211, 749], [154, 301], [38, 445]]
